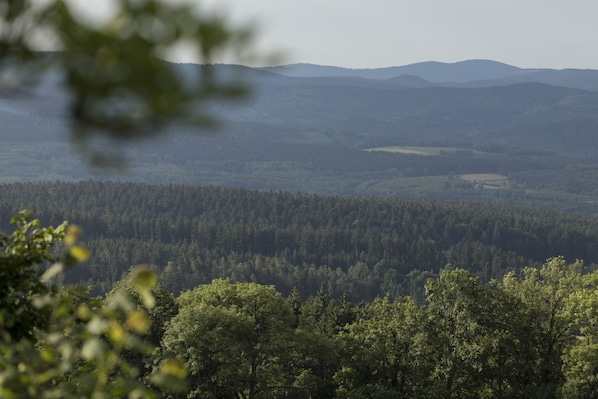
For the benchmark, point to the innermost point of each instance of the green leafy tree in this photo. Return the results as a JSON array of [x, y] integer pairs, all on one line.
[[322, 314], [313, 361], [546, 293], [455, 334], [235, 339], [317, 321], [511, 340], [580, 358], [382, 352]]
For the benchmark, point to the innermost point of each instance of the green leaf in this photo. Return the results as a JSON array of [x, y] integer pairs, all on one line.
[[143, 277], [79, 253], [52, 272], [93, 349]]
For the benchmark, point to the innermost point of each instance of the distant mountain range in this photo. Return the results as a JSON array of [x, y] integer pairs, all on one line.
[[310, 128], [436, 72], [471, 73]]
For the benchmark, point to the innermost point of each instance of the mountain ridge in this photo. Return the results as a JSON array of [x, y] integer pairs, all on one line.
[[433, 71], [312, 135], [467, 73]]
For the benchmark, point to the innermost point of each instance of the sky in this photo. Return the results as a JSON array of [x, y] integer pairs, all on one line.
[[379, 33]]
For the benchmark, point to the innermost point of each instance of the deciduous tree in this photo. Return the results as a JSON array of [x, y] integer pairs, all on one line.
[[236, 340]]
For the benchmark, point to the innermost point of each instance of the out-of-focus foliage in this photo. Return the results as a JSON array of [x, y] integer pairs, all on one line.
[[112, 68], [20, 280], [158, 315], [56, 341]]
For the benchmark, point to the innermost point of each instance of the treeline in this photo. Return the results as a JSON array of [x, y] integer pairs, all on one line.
[[304, 159], [531, 335], [365, 247]]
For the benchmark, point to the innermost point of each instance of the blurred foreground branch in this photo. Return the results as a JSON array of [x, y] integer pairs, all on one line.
[[112, 66]]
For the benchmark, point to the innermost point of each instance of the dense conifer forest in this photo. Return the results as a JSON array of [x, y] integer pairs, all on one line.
[[360, 247]]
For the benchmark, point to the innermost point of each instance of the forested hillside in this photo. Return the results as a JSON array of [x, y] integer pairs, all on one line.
[[365, 247], [340, 135]]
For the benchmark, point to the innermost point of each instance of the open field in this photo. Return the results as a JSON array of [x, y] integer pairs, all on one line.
[[488, 180], [409, 150], [425, 150]]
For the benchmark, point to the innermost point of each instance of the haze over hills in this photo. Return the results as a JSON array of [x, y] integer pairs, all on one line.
[[470, 73], [464, 71], [353, 132]]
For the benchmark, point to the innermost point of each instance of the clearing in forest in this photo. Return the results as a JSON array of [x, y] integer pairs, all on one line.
[[487, 180], [446, 151]]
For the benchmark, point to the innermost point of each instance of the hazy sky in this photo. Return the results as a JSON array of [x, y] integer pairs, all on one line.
[[379, 33]]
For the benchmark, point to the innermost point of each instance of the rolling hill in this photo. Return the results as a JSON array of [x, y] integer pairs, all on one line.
[[310, 134], [470, 73]]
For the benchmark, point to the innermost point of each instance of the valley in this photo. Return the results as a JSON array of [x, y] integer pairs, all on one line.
[[308, 135]]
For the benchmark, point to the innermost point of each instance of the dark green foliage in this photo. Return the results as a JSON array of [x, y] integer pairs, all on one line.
[[365, 247], [529, 336], [236, 339], [21, 254], [378, 352]]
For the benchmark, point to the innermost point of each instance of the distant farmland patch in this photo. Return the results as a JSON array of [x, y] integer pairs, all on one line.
[[409, 150], [487, 180], [448, 151]]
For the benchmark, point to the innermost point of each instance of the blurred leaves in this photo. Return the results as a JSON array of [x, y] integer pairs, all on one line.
[[114, 72], [80, 352], [23, 291], [79, 253]]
